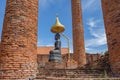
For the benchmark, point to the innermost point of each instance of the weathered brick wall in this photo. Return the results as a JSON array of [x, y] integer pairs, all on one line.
[[111, 12], [42, 59], [92, 57], [46, 49], [18, 58], [78, 33], [43, 54]]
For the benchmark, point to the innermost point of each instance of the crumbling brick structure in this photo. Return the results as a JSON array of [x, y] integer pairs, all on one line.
[[43, 54], [78, 33], [18, 58], [111, 12]]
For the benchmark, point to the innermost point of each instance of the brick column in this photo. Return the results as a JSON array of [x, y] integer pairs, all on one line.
[[78, 33], [111, 12], [18, 58]]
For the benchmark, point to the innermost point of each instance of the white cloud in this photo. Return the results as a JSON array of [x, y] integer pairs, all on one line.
[[95, 42], [90, 4], [97, 32], [88, 49], [92, 22]]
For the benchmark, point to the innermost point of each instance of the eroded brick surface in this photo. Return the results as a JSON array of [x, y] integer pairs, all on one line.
[[18, 58], [111, 12], [78, 33]]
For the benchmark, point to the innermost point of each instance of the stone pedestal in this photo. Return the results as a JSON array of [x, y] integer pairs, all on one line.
[[61, 65], [55, 56], [54, 65]]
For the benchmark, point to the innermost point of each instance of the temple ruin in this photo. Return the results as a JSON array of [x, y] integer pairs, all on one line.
[[18, 57]]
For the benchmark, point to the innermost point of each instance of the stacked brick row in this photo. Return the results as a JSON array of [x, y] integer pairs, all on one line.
[[78, 33], [18, 58], [111, 12]]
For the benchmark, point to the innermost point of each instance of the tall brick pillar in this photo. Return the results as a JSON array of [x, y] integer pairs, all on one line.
[[78, 33], [18, 58], [111, 12]]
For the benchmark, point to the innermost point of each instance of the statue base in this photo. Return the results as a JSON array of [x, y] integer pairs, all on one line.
[[55, 65], [55, 56], [61, 65]]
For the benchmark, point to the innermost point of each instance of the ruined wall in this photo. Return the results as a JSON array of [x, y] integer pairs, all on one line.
[[46, 49], [78, 33], [43, 58], [18, 58], [43, 54], [111, 12], [92, 57]]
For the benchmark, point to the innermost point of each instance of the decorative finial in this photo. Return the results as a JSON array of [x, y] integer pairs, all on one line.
[[57, 27]]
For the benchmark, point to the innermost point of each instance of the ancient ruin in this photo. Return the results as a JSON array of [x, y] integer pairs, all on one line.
[[78, 33], [18, 57], [111, 12], [21, 59]]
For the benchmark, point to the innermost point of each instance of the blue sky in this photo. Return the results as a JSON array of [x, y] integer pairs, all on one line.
[[95, 38]]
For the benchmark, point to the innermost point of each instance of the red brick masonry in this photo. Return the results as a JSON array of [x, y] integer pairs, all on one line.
[[111, 12], [78, 33], [43, 56], [46, 49], [18, 58]]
